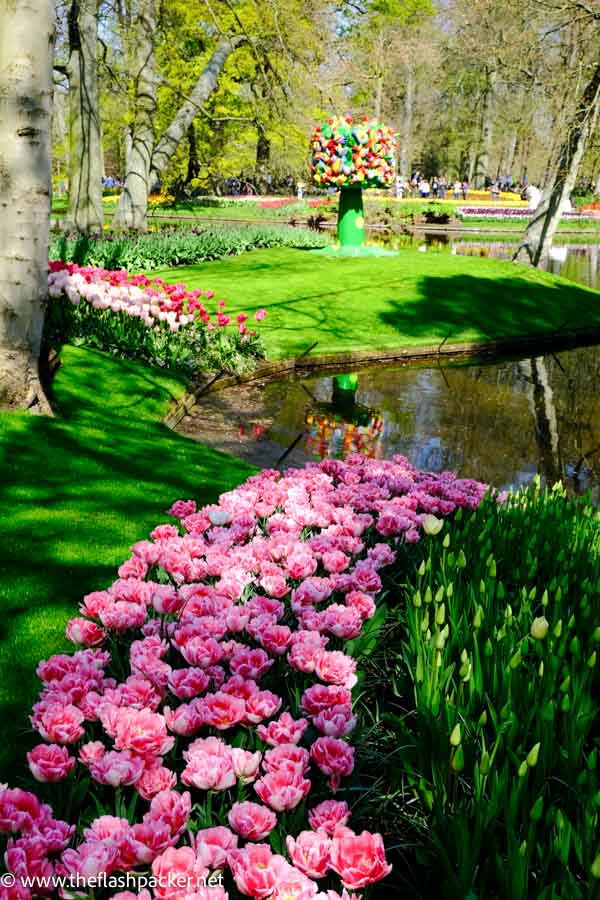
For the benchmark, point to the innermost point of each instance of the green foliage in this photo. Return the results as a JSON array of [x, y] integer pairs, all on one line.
[[188, 351], [153, 251], [495, 666]]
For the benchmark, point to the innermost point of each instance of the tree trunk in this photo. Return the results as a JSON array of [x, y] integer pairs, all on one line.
[[85, 130], [263, 158], [26, 89], [487, 133], [542, 228], [511, 153], [407, 122], [133, 204], [193, 169], [204, 87]]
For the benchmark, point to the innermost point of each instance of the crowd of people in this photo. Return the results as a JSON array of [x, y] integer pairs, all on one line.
[[438, 187]]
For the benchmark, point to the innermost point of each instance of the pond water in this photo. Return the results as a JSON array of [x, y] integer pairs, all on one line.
[[502, 422]]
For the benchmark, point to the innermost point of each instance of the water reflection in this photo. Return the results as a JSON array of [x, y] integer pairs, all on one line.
[[502, 423]]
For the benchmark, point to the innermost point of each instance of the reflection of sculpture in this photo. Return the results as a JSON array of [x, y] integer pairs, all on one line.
[[350, 156], [343, 426]]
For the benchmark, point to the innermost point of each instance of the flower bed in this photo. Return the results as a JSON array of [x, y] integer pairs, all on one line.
[[140, 317], [211, 676], [508, 212]]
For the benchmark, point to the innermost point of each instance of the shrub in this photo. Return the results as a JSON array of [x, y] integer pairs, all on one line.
[[492, 705], [180, 248]]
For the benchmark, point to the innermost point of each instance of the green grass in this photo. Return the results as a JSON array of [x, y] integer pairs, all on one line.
[[414, 299], [77, 491]]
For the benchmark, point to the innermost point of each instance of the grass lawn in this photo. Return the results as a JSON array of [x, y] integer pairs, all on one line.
[[77, 491], [411, 300]]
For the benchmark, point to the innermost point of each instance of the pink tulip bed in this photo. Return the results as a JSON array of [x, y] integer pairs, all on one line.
[[145, 318], [510, 212], [200, 742]]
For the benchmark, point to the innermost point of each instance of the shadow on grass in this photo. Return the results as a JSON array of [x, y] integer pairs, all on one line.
[[76, 493], [487, 308]]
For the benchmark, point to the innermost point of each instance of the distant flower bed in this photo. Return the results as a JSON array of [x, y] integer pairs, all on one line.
[[279, 202], [145, 318], [203, 729], [508, 212]]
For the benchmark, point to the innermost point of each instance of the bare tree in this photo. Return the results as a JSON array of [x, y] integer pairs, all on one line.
[[542, 227], [27, 30]]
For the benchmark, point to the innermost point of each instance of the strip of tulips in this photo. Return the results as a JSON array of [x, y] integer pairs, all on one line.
[[203, 729], [145, 318]]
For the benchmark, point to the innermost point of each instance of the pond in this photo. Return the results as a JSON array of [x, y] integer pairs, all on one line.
[[502, 422]]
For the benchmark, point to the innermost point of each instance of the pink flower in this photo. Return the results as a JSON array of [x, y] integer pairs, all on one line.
[[213, 846], [250, 664], [82, 631], [309, 852], [252, 870], [91, 752], [222, 711], [59, 723], [178, 871], [320, 697], [291, 882], [116, 769], [49, 763], [245, 764], [141, 731], [260, 314], [188, 683], [262, 705], [154, 779], [336, 667], [336, 722], [287, 758], [251, 820], [285, 730], [363, 603], [282, 790], [334, 758], [185, 720], [358, 859], [328, 815]]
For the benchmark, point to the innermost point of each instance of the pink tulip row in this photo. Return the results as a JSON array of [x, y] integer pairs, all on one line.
[[151, 300], [211, 682]]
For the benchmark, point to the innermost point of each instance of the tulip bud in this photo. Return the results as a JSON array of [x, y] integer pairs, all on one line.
[[417, 599], [515, 660], [565, 683], [592, 660], [455, 737], [428, 595], [446, 542], [421, 569], [478, 618], [439, 594], [532, 756], [432, 525], [482, 719], [596, 634], [488, 648], [557, 629], [541, 669], [440, 614], [484, 763], [461, 562], [545, 598], [596, 867], [439, 641], [566, 703], [523, 849], [523, 769], [539, 628], [458, 760], [425, 622]]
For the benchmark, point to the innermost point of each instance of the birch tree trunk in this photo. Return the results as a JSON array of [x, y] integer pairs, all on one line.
[[133, 204], [26, 89], [542, 227], [263, 158], [204, 87], [407, 122], [86, 213]]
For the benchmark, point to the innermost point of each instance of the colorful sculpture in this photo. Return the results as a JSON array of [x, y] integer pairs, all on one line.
[[351, 156]]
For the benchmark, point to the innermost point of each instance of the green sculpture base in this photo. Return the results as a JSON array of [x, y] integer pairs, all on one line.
[[351, 218]]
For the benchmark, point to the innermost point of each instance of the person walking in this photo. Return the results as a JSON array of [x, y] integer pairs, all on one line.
[[457, 190], [465, 189]]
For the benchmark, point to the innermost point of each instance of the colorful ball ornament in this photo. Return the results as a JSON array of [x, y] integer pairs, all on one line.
[[346, 153]]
